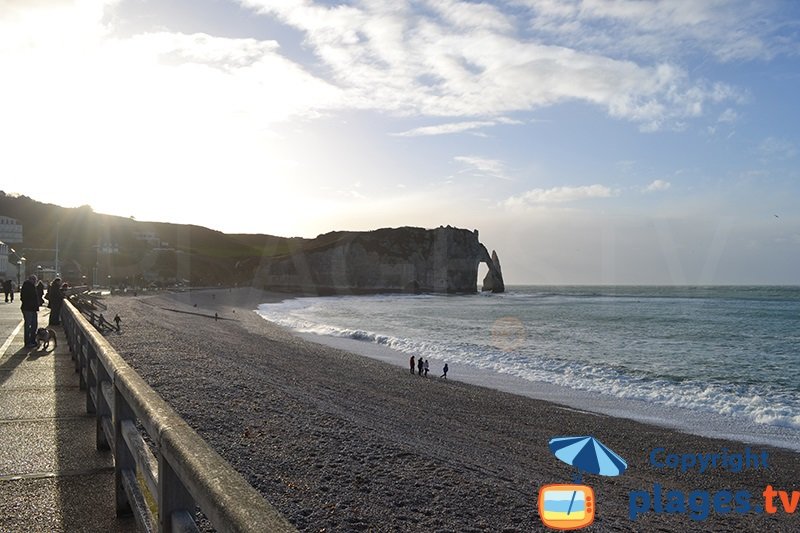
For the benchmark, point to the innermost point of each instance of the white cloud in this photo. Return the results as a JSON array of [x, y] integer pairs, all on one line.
[[444, 129], [726, 29], [454, 127], [776, 148], [463, 59], [558, 195], [728, 116], [468, 15], [658, 185], [487, 167]]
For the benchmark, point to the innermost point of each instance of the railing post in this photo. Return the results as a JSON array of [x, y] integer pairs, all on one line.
[[79, 342], [103, 409], [66, 322], [173, 498], [70, 332], [83, 357], [123, 458], [91, 380]]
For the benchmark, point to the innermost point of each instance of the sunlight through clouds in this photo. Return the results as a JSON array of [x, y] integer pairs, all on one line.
[[157, 108], [42, 24]]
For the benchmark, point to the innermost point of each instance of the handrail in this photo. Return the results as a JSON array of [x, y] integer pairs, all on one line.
[[185, 472]]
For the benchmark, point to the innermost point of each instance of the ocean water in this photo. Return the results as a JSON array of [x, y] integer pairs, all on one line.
[[723, 361]]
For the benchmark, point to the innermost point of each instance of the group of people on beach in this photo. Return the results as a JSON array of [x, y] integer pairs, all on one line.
[[422, 367]]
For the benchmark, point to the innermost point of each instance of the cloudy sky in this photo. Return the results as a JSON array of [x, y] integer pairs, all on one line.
[[590, 141]]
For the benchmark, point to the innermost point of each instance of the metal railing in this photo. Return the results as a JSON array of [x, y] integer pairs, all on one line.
[[184, 474]]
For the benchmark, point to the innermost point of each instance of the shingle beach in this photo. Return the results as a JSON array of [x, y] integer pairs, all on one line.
[[342, 442]]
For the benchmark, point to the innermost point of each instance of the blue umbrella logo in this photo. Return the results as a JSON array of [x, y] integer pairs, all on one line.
[[588, 454], [573, 506]]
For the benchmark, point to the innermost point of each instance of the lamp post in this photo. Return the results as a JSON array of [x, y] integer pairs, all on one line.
[[58, 224], [20, 265]]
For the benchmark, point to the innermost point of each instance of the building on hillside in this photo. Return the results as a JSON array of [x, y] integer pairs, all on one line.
[[108, 248], [10, 230], [12, 265], [150, 237], [4, 267], [46, 273]]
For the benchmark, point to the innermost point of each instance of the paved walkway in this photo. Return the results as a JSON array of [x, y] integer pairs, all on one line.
[[51, 476]]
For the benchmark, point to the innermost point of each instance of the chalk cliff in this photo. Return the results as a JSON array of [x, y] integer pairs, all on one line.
[[407, 259], [493, 281]]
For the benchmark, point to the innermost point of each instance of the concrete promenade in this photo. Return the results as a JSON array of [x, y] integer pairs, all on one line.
[[52, 478]]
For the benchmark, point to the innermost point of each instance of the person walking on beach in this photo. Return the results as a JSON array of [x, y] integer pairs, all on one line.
[[30, 309], [444, 372], [411, 363], [420, 364], [426, 368]]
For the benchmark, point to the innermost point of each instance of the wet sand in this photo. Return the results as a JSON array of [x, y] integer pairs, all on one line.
[[341, 442]]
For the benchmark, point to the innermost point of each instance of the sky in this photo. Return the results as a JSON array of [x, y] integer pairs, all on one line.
[[589, 141]]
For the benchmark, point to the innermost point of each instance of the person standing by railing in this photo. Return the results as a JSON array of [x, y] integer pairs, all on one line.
[[30, 309], [55, 297], [40, 291]]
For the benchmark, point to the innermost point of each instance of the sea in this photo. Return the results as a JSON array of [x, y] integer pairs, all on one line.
[[714, 361]]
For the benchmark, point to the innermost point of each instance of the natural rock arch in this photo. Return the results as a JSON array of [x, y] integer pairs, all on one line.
[[407, 259]]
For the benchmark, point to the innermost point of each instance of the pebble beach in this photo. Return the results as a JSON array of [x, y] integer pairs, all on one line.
[[341, 442]]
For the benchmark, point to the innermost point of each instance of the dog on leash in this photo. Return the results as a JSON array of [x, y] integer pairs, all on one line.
[[43, 338]]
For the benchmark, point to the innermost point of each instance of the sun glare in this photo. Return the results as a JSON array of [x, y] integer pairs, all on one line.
[[149, 119]]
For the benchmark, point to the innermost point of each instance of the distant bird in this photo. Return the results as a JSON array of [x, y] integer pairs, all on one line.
[[776, 216]]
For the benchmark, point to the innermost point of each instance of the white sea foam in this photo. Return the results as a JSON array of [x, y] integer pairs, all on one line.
[[756, 404]]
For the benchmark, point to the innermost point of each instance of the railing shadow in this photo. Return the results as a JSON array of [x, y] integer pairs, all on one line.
[[11, 363], [50, 465], [85, 484]]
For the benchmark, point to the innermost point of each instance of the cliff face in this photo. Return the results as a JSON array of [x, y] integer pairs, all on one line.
[[494, 278], [404, 259]]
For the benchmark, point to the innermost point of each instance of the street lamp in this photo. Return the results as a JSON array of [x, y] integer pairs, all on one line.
[[20, 264]]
